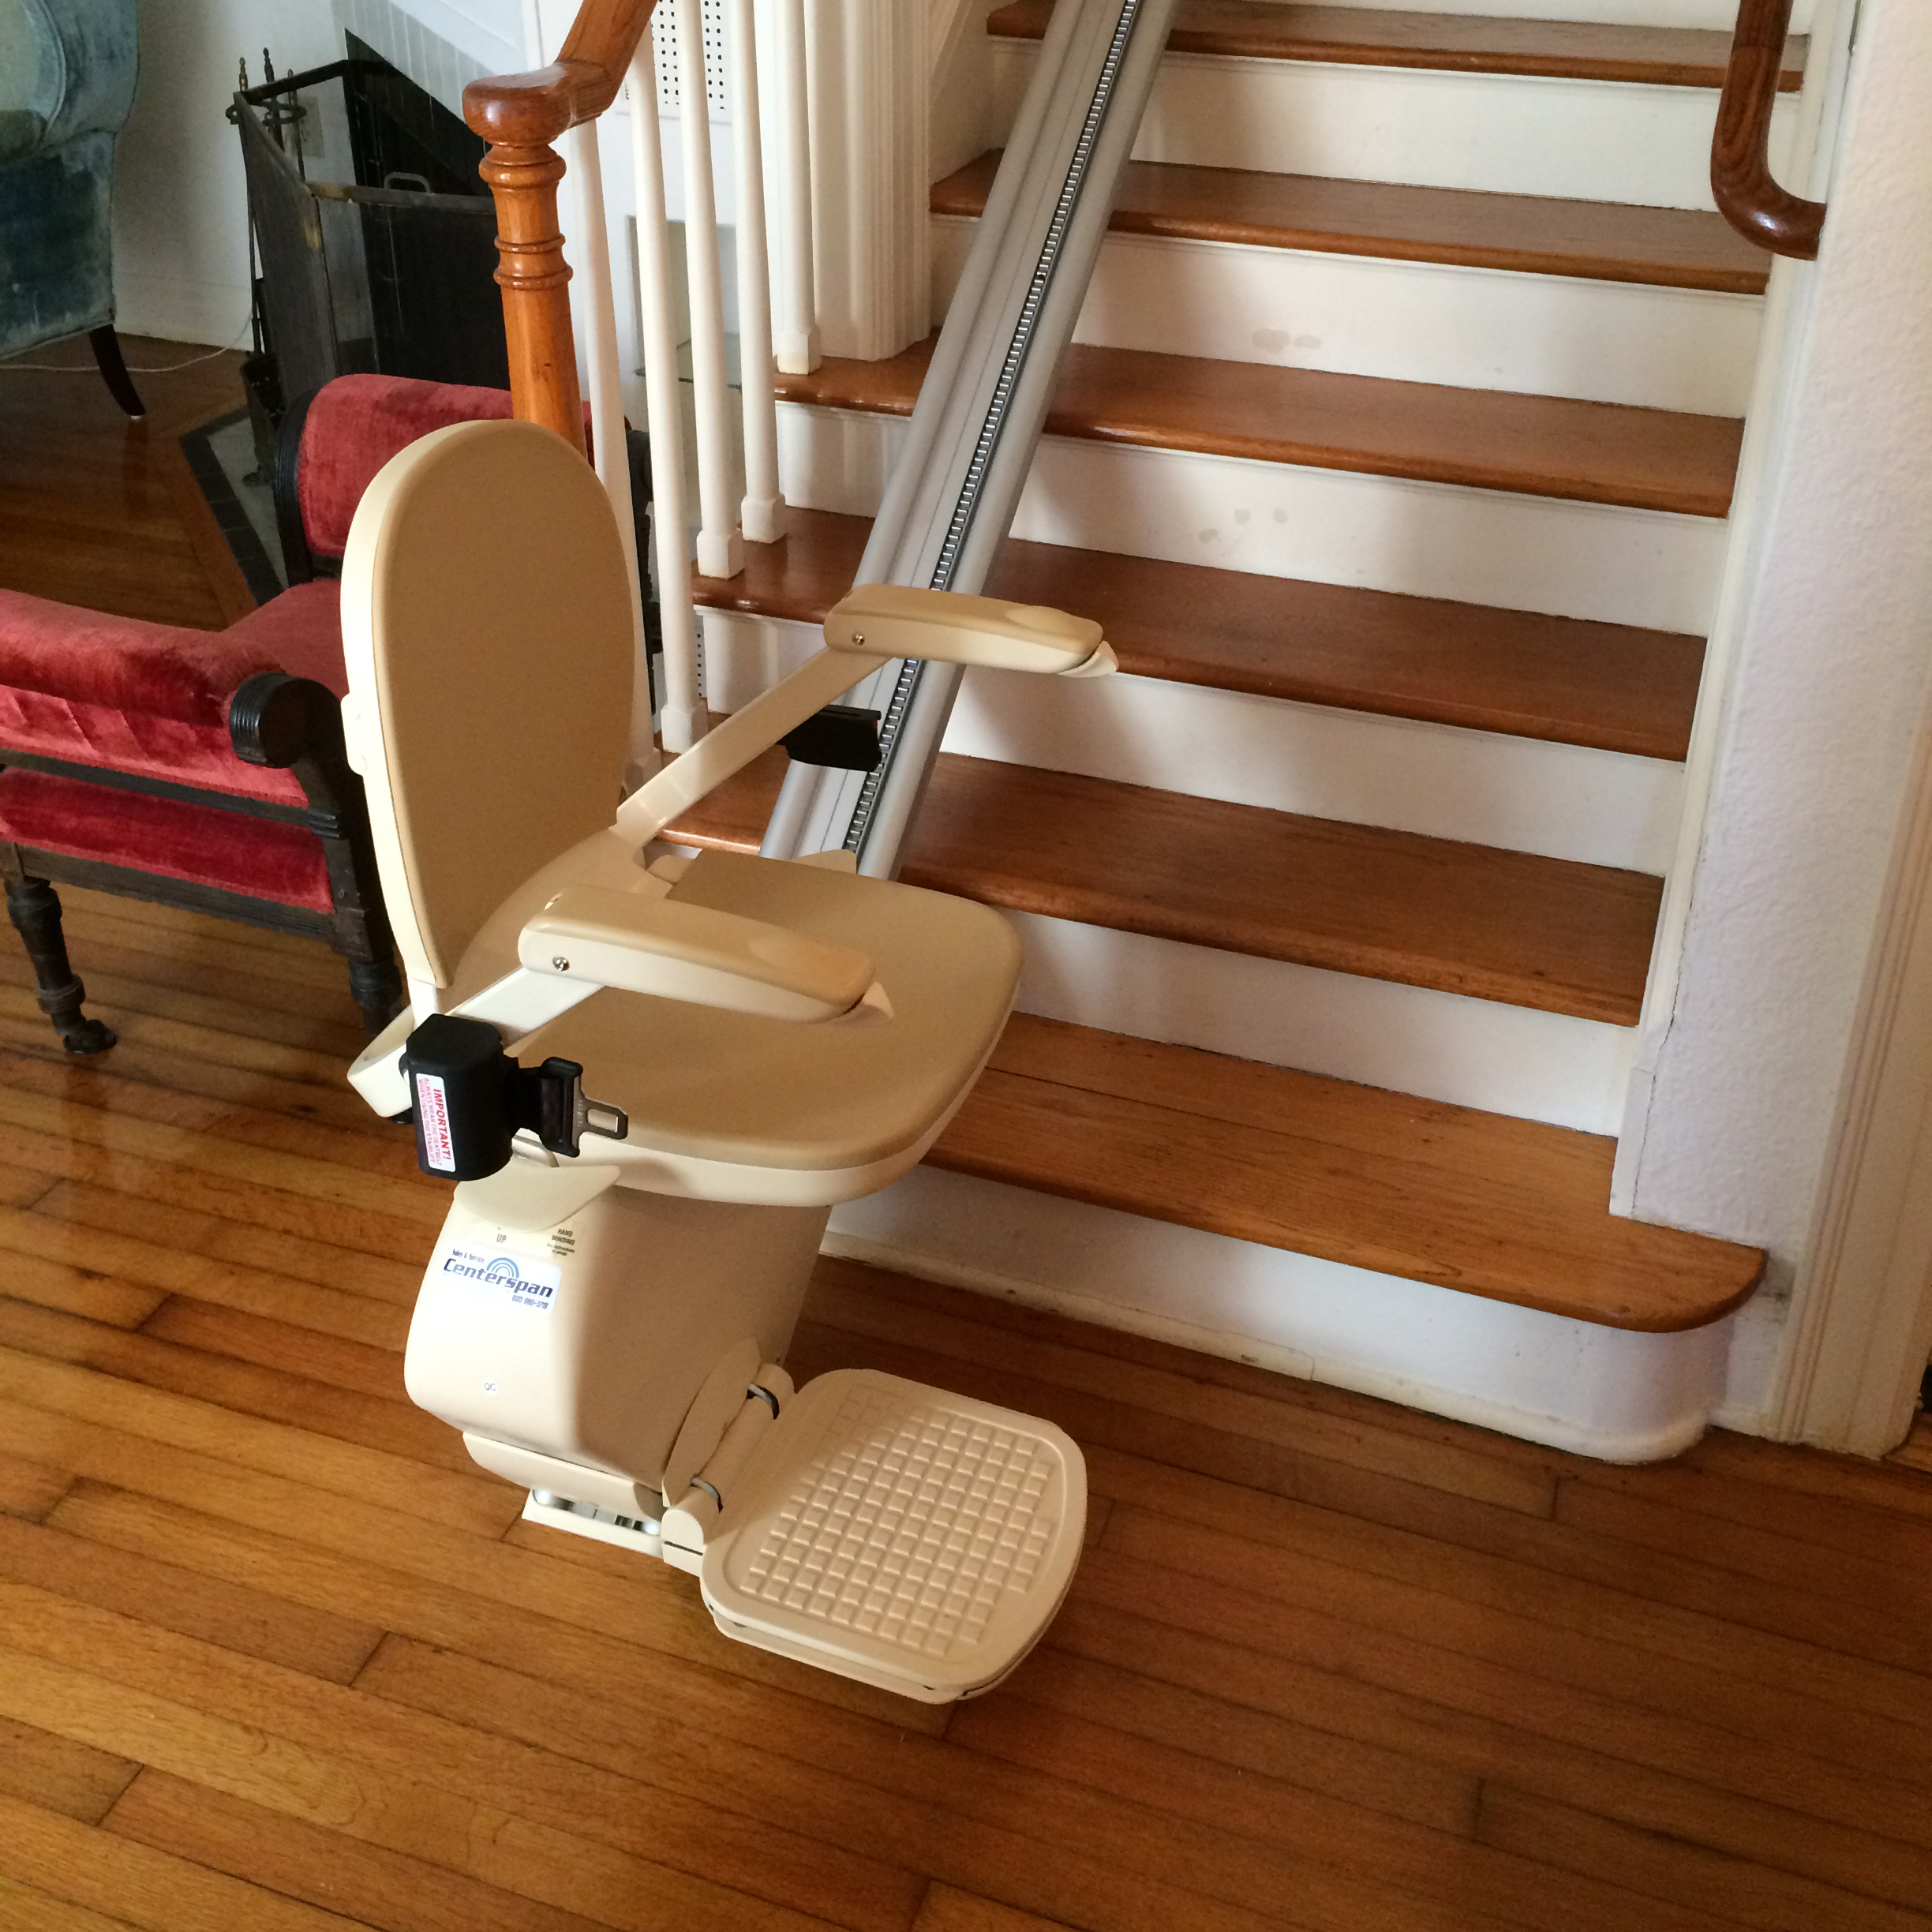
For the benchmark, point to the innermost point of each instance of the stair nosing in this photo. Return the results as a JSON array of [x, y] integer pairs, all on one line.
[[1703, 71], [1671, 745], [1347, 452], [1519, 1222], [1602, 904], [1744, 278]]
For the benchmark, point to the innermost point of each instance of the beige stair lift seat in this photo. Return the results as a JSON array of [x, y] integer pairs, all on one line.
[[731, 1105], [607, 1330]]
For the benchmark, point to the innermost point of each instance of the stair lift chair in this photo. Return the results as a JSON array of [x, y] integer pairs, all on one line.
[[607, 1305]]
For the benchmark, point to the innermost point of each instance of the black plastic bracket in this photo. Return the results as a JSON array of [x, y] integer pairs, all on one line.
[[845, 737]]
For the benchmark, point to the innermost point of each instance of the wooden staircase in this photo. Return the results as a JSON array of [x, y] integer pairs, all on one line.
[[1442, 762]]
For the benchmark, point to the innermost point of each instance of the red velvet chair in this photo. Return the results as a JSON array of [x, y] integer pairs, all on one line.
[[206, 769]]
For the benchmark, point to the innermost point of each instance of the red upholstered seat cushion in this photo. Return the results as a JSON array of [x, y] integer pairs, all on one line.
[[151, 700], [355, 426], [301, 632], [199, 843]]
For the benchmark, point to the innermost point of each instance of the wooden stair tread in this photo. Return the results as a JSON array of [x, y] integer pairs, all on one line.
[[1512, 927], [1505, 1208], [1603, 241], [1486, 438], [1611, 687], [1454, 42]]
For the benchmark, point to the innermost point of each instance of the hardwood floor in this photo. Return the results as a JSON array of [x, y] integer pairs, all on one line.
[[275, 1657]]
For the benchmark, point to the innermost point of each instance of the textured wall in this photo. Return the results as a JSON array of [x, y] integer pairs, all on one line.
[[1824, 711]]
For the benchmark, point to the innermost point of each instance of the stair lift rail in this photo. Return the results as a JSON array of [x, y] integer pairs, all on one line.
[[953, 490]]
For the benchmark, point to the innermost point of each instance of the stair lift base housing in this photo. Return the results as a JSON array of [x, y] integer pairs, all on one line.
[[773, 1037]]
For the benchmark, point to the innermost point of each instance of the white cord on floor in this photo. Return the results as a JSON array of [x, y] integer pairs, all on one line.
[[134, 368]]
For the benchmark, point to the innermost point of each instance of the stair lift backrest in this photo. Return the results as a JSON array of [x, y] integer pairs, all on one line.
[[487, 628]]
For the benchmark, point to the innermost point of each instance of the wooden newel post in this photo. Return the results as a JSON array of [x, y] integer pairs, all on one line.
[[520, 115], [535, 281]]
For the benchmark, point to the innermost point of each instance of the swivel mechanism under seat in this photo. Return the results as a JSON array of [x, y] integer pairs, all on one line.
[[608, 1304]]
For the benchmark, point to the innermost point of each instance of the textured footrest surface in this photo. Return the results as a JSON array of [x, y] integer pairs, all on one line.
[[916, 1540]]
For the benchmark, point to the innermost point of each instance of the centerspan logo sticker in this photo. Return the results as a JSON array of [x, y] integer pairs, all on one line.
[[527, 1284]]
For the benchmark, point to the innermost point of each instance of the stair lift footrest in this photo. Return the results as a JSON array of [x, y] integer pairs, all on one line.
[[895, 1533]]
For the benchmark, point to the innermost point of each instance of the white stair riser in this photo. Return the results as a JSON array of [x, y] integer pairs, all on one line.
[[1470, 328], [1593, 140], [1604, 1392], [1412, 1040], [1652, 568], [1486, 788]]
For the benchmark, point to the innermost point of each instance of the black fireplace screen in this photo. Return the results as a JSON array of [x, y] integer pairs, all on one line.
[[391, 272]]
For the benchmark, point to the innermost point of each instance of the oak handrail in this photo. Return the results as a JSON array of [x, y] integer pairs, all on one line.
[[1749, 198], [520, 115]]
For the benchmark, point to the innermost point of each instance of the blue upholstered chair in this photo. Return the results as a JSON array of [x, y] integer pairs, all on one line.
[[67, 71]]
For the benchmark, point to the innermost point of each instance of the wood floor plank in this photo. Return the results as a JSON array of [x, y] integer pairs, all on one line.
[[1475, 1664], [167, 1123], [84, 1866], [1430, 432], [1510, 1890], [26, 1908], [1750, 1673], [59, 1775], [197, 1235], [949, 1910], [505, 1849], [779, 1877], [236, 1616], [67, 452], [335, 1105], [287, 1347], [1142, 1640], [356, 1319], [1564, 1838], [1454, 43], [78, 1291], [29, 1490], [478, 1504], [1532, 234], [389, 1890], [1143, 1846], [102, 1163], [223, 1381]]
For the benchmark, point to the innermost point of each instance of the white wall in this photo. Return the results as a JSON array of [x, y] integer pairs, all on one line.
[[180, 232], [1731, 1126]]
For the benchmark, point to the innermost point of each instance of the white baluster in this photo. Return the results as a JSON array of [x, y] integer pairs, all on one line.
[[682, 719], [720, 551], [797, 336], [761, 515], [590, 250]]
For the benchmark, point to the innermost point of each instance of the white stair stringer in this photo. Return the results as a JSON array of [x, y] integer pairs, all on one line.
[[1562, 801], [1611, 1393], [1471, 328], [1475, 1053], [1590, 141], [1656, 569]]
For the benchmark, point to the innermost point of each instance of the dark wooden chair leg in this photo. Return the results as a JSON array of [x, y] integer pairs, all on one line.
[[377, 987], [33, 908], [106, 346]]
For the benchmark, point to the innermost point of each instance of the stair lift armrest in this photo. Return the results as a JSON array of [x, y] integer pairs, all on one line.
[[947, 627], [670, 950], [870, 626]]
